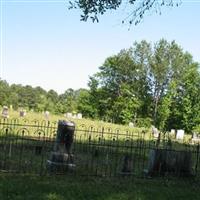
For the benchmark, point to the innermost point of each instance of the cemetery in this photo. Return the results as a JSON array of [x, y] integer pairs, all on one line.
[[67, 148], [99, 100]]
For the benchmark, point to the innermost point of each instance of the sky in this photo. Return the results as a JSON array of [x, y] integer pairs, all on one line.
[[45, 44]]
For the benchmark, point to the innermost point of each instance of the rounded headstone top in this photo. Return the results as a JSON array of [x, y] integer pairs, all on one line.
[[66, 123]]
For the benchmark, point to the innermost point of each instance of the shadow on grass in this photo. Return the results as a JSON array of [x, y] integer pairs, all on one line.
[[84, 188]]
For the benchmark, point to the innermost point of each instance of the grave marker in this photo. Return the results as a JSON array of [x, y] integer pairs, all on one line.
[[79, 116], [131, 124], [61, 159], [46, 115], [180, 134], [22, 113], [5, 113]]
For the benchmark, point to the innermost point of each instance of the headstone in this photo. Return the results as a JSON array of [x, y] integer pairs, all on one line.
[[173, 132], [5, 113], [131, 124], [22, 113], [195, 138], [68, 115], [79, 116], [162, 161], [46, 115], [194, 135], [180, 134], [127, 167], [61, 159], [155, 132]]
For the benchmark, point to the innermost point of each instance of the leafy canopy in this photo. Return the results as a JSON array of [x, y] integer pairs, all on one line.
[[138, 8]]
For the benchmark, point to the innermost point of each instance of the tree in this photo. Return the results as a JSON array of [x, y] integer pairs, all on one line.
[[117, 88], [84, 104], [189, 100], [148, 82], [68, 101], [138, 8], [4, 93]]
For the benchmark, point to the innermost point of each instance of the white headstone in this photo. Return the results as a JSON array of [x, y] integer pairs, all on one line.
[[131, 124], [180, 134], [46, 115], [69, 115], [155, 132], [79, 116]]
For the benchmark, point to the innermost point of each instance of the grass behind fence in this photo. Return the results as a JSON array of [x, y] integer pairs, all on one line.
[[26, 148]]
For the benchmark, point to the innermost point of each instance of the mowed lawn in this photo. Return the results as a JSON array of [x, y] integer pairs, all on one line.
[[18, 187]]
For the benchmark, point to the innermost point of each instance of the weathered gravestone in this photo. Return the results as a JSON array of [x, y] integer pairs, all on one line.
[[22, 113], [5, 113], [167, 161], [172, 133], [61, 159]]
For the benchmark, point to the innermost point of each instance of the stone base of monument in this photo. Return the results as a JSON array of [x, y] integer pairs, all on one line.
[[60, 163], [169, 162]]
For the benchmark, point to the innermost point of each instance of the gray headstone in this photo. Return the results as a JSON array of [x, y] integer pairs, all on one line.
[[22, 113], [61, 159], [5, 113], [162, 161]]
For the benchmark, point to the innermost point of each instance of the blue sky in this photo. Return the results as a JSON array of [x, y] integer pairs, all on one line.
[[45, 44]]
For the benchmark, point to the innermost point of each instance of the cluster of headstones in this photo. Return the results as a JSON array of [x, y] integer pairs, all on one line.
[[22, 113], [5, 112], [73, 116], [179, 134]]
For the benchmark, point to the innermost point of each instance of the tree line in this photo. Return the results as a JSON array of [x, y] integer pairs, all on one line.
[[146, 84]]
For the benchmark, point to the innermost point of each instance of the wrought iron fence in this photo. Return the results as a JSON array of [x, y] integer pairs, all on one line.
[[25, 147]]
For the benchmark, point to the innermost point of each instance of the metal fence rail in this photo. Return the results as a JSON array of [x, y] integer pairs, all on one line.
[[25, 148]]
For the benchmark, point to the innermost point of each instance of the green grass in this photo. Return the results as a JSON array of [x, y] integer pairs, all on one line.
[[83, 124], [63, 188]]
